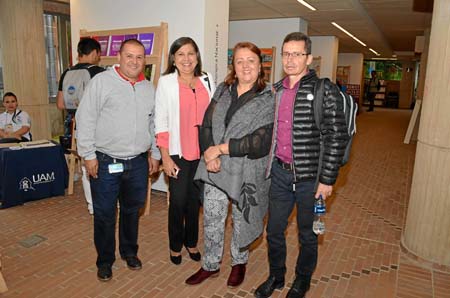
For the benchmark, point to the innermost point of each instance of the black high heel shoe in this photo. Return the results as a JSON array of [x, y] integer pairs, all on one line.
[[175, 259], [195, 256]]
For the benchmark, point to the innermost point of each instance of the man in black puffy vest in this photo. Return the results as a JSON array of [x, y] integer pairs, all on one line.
[[297, 175]]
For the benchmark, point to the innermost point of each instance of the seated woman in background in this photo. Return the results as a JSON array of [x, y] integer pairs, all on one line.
[[14, 123]]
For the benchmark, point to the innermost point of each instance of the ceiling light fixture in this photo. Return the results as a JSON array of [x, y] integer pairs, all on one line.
[[393, 59], [373, 51], [348, 33], [307, 5]]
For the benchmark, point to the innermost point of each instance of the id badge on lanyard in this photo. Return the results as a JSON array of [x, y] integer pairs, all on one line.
[[115, 167]]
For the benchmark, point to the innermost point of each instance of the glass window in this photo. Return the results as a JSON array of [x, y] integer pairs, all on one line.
[[386, 70], [57, 50]]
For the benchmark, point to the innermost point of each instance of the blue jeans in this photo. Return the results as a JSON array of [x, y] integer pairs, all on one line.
[[130, 188], [281, 203]]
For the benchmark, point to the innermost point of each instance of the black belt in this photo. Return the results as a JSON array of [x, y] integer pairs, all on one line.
[[285, 165]]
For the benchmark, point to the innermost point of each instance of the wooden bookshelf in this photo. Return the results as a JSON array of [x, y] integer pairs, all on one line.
[[156, 35]]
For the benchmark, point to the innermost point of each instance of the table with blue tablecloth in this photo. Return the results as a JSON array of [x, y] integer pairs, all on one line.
[[31, 173]]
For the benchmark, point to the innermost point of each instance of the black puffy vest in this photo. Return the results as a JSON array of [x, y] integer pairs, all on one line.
[[306, 137]]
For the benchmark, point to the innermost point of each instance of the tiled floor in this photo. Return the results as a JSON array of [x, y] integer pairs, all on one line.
[[360, 255]]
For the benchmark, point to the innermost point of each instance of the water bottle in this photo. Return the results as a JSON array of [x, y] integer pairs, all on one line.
[[319, 213]]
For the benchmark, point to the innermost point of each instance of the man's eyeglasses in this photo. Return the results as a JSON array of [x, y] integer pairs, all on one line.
[[293, 54]]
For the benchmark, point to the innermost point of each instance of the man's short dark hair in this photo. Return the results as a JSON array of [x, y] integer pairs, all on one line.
[[299, 36], [131, 41], [87, 45]]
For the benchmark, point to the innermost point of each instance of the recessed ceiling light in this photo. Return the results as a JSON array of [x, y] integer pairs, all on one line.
[[373, 51], [348, 33], [392, 59], [307, 4]]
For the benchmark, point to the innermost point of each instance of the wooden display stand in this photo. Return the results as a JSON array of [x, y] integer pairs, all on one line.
[[154, 59], [148, 200], [73, 159]]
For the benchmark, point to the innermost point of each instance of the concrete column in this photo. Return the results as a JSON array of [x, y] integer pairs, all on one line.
[[24, 68], [427, 229], [407, 84], [423, 64], [422, 76]]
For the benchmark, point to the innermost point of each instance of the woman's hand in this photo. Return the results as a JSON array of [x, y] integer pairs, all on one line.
[[17, 136], [213, 165], [170, 168], [214, 152], [211, 153]]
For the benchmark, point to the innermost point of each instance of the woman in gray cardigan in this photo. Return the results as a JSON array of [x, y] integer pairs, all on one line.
[[235, 140]]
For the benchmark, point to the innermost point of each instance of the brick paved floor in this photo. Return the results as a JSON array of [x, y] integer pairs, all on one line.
[[359, 257]]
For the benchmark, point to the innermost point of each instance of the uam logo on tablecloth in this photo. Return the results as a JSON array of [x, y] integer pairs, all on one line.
[[43, 178], [25, 184]]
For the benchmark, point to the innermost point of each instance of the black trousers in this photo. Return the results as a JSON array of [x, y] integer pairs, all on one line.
[[371, 97], [281, 203], [184, 206]]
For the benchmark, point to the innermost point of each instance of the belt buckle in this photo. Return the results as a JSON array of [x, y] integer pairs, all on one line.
[[288, 166]]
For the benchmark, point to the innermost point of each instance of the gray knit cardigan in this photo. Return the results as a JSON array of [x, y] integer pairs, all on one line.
[[241, 178]]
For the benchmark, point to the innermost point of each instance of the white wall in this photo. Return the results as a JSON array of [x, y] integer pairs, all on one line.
[[185, 18], [266, 34], [327, 48], [355, 61]]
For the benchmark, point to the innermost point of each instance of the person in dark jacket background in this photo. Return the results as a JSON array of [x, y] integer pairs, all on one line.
[[294, 163]]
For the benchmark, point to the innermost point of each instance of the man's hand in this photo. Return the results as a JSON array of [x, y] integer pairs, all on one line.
[[213, 165], [92, 167], [324, 190], [153, 166]]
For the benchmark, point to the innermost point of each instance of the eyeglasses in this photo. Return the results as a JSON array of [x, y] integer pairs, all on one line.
[[293, 54]]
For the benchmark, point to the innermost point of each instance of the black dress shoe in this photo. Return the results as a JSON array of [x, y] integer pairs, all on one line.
[[175, 259], [266, 289], [195, 256], [133, 263], [104, 272], [299, 288]]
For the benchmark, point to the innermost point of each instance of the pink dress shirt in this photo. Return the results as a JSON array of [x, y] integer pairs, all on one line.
[[284, 122]]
